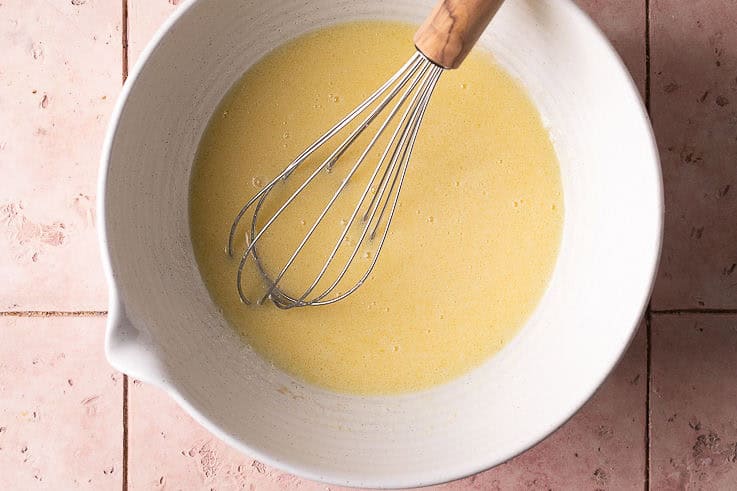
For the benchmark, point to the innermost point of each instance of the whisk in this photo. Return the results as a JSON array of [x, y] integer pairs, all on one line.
[[442, 42]]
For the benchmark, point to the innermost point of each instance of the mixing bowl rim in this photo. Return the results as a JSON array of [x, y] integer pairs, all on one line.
[[116, 315]]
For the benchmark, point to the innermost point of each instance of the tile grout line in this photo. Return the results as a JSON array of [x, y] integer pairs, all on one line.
[[124, 73], [648, 387], [694, 311], [124, 39], [649, 310], [125, 432], [53, 313], [647, 58]]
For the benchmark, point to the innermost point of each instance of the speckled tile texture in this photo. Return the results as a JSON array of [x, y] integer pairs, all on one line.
[[693, 419], [664, 420], [694, 113], [601, 447], [61, 418], [60, 73]]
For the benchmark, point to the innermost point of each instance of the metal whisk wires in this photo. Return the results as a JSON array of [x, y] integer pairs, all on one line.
[[409, 90]]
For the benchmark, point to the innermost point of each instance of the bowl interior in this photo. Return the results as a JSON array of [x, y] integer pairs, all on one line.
[[610, 247]]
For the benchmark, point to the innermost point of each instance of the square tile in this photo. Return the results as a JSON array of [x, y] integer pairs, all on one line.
[[60, 74], [694, 112], [61, 418], [693, 422]]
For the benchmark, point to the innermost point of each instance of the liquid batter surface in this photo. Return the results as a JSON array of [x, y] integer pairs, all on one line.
[[472, 245]]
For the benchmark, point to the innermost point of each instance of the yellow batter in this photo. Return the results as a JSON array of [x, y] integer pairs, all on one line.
[[470, 250]]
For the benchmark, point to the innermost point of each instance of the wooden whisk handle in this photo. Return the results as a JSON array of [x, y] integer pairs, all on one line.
[[452, 29]]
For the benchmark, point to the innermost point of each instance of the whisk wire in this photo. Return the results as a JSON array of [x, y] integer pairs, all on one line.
[[411, 63], [410, 68], [418, 71], [401, 172], [405, 125], [342, 186]]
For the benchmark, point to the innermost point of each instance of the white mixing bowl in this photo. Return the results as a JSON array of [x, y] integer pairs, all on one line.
[[164, 329]]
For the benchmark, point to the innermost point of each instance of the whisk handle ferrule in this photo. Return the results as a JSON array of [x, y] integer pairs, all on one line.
[[452, 29]]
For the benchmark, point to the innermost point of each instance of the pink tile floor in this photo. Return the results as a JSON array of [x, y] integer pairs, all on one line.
[[665, 419]]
